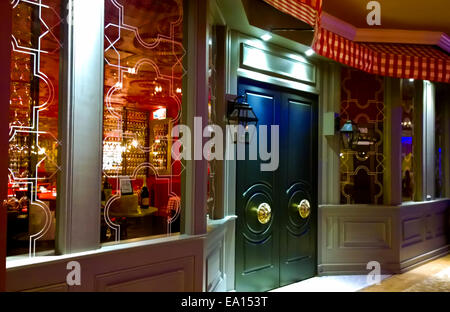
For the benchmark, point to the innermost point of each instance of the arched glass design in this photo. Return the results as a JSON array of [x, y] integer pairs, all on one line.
[[362, 165], [408, 140], [141, 192], [33, 126]]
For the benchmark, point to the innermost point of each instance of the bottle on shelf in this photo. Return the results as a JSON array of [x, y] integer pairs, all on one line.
[[145, 196]]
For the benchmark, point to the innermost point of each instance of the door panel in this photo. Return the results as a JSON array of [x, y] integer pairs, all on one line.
[[257, 252], [297, 230], [283, 250]]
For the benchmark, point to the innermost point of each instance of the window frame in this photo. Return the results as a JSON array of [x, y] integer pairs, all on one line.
[[78, 222]]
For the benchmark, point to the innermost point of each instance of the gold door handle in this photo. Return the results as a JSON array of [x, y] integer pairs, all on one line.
[[304, 209], [264, 213]]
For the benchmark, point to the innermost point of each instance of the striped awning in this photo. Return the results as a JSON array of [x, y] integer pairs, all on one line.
[[424, 62], [307, 11]]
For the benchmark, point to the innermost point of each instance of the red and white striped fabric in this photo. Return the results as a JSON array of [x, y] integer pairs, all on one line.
[[307, 11], [424, 62]]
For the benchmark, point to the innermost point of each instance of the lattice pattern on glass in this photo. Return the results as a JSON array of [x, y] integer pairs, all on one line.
[[362, 101], [408, 91], [33, 125], [143, 96], [212, 119]]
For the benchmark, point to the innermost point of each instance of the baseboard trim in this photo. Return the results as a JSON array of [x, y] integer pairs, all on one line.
[[352, 269], [412, 263], [328, 269]]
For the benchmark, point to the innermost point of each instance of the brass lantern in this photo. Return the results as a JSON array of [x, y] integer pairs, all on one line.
[[349, 134], [358, 139], [241, 113]]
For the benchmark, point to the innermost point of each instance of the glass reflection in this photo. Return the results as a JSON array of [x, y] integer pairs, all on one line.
[[33, 126], [408, 92], [141, 192]]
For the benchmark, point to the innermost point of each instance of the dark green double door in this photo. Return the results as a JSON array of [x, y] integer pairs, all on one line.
[[277, 211]]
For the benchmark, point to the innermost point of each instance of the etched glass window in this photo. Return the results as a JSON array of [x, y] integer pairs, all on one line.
[[442, 136], [408, 92], [141, 189], [212, 118], [33, 126], [362, 161]]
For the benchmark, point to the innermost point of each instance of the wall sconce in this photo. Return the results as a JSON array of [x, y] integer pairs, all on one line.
[[241, 113], [358, 139], [348, 133]]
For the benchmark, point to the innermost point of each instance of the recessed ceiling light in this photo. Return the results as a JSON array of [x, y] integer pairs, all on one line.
[[411, 80], [310, 52], [266, 37]]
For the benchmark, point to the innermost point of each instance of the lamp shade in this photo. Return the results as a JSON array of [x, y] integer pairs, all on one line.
[[241, 112], [348, 133]]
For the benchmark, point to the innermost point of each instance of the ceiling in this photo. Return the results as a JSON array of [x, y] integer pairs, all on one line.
[[255, 18], [264, 16], [429, 15]]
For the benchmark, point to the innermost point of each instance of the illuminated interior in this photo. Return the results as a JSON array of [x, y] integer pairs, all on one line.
[[33, 126], [408, 91], [143, 96], [362, 166]]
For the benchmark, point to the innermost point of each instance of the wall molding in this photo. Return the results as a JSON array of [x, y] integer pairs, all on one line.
[[398, 237], [219, 255], [174, 265]]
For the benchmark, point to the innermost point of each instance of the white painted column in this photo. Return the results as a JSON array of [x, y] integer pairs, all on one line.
[[80, 117], [392, 178], [329, 145], [195, 104], [429, 111]]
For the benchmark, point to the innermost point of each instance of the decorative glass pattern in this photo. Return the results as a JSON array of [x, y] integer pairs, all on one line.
[[442, 96], [212, 119], [33, 125], [143, 95], [362, 101], [408, 92]]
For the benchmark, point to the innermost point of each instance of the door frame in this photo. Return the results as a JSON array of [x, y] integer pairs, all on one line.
[[234, 69], [313, 99]]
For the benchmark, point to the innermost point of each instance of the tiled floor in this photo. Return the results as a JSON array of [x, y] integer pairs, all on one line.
[[433, 276], [343, 283]]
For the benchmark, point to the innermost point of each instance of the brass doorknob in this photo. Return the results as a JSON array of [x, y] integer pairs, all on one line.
[[304, 209], [264, 213]]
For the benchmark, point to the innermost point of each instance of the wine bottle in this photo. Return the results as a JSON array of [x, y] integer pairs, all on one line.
[[145, 200]]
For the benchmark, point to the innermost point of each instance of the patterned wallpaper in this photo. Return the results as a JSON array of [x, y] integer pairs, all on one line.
[[362, 101]]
